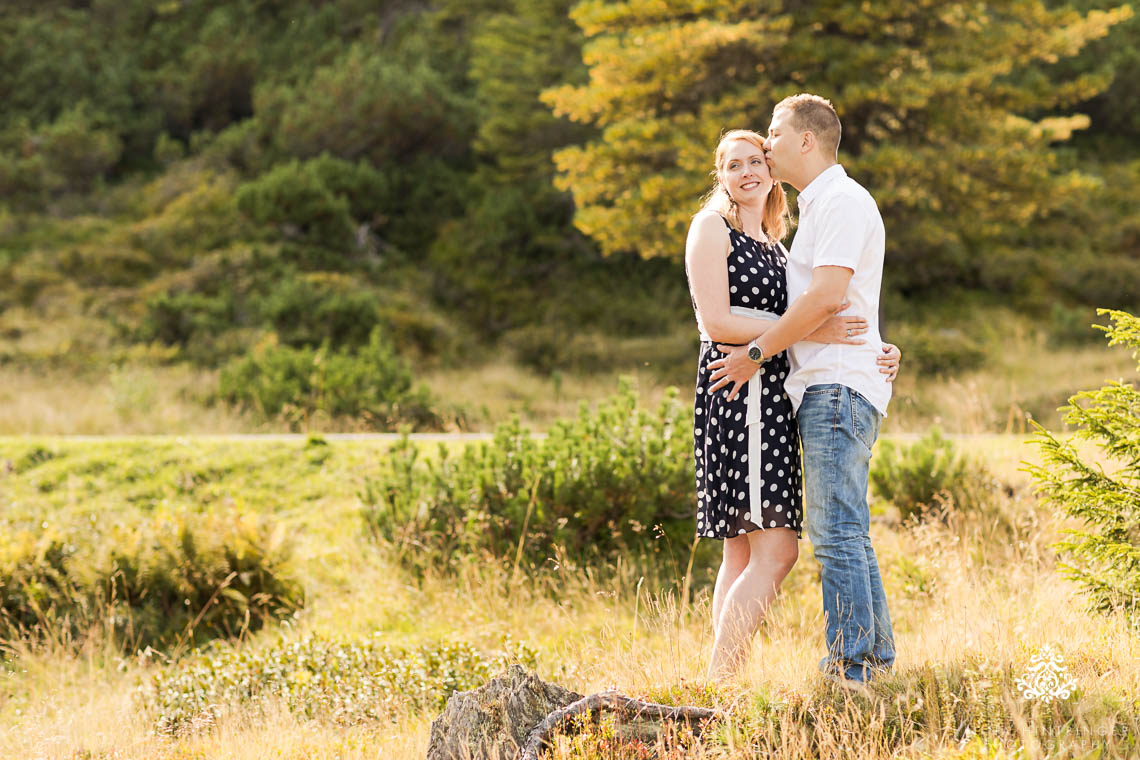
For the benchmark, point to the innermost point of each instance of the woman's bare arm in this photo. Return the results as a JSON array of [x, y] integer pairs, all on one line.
[[706, 260]]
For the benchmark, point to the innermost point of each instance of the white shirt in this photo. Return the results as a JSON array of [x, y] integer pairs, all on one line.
[[839, 225]]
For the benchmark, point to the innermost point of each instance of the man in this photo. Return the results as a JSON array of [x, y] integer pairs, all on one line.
[[839, 395]]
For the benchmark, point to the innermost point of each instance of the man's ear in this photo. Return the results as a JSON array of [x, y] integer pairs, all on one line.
[[808, 142]]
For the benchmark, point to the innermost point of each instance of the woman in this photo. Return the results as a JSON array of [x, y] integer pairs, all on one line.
[[748, 483]]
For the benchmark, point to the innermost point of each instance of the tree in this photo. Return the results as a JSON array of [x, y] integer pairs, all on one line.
[[931, 95], [1104, 555], [1114, 112], [515, 55], [499, 262]]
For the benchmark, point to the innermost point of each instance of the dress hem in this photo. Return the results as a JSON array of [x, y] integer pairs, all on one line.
[[799, 533]]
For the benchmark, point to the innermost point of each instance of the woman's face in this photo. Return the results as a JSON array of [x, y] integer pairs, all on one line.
[[744, 172]]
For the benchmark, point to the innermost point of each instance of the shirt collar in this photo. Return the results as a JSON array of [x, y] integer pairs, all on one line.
[[816, 186]]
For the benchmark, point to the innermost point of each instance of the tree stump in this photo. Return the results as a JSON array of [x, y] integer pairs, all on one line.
[[514, 715], [493, 721]]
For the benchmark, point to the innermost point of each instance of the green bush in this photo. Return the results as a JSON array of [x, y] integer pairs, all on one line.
[[189, 213], [70, 155], [373, 384], [169, 580], [945, 351], [309, 310], [1104, 554], [347, 681], [607, 483], [919, 477], [546, 347], [364, 188], [1071, 325], [293, 199], [175, 318], [367, 105]]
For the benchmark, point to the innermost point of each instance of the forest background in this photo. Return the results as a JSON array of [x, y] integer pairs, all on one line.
[[355, 214]]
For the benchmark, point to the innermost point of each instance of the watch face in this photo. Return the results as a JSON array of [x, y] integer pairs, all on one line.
[[754, 353]]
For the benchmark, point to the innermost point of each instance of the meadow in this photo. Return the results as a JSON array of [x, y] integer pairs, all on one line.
[[1022, 370], [973, 598]]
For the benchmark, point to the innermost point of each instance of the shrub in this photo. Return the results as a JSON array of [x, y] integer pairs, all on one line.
[[33, 458], [364, 188], [916, 478], [161, 582], [174, 318], [597, 486], [345, 680], [309, 310], [546, 347], [1104, 555], [72, 154], [938, 352], [366, 105], [373, 384], [1070, 325], [201, 215], [294, 200]]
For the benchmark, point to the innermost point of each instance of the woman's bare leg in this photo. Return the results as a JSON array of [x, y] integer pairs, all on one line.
[[732, 564], [771, 555]]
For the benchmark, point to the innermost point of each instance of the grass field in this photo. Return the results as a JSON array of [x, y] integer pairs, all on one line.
[[972, 601]]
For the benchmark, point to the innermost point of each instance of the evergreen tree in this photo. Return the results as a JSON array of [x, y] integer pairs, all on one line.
[[516, 54], [932, 96], [498, 262], [1114, 112], [1104, 555]]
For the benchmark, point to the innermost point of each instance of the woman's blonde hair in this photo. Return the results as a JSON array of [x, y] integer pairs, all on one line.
[[775, 219]]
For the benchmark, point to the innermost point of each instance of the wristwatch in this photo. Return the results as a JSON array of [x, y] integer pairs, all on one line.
[[756, 354]]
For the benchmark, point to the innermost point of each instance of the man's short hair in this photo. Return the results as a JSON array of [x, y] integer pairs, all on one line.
[[811, 113]]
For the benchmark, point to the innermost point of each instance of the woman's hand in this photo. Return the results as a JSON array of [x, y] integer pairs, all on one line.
[[889, 361], [840, 330]]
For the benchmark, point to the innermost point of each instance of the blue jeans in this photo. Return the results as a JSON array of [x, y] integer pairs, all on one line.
[[838, 426]]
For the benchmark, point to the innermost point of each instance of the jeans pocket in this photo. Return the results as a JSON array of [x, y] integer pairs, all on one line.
[[865, 419]]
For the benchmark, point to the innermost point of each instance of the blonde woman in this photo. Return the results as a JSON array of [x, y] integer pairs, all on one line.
[[747, 446]]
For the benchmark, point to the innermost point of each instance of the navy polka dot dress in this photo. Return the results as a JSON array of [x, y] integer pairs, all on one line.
[[748, 475]]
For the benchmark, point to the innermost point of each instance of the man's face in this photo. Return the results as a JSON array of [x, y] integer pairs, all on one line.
[[781, 148]]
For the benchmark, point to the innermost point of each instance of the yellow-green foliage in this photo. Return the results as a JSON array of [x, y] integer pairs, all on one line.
[[162, 580], [373, 385], [944, 351], [917, 477], [1103, 555], [171, 570], [615, 480], [667, 79], [346, 681]]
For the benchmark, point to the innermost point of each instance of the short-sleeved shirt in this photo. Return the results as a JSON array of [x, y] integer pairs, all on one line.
[[839, 225]]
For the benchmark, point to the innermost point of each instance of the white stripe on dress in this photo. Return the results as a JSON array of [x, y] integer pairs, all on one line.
[[753, 419]]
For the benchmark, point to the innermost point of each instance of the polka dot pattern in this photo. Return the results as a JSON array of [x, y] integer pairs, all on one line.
[[720, 436]]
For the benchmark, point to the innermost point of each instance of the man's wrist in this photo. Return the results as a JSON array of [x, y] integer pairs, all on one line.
[[756, 352]]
